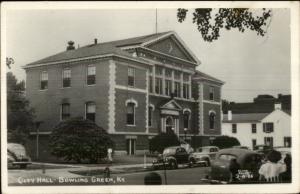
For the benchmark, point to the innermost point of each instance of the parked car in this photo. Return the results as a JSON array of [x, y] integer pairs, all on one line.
[[284, 151], [241, 147], [171, 157], [204, 155], [16, 156], [249, 162]]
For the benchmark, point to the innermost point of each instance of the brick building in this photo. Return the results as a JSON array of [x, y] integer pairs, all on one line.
[[133, 88]]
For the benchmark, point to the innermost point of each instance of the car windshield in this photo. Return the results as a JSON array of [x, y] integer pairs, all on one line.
[[16, 149], [227, 157], [169, 151]]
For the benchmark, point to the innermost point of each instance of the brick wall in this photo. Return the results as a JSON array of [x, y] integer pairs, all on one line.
[[47, 103]]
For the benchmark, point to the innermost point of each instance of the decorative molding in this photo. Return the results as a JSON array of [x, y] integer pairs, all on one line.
[[131, 100], [152, 106], [186, 109], [111, 96], [211, 111], [211, 102], [131, 89], [132, 133]]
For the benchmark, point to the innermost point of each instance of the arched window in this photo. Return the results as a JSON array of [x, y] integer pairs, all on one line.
[[90, 112], [212, 118], [130, 113], [186, 118], [150, 114]]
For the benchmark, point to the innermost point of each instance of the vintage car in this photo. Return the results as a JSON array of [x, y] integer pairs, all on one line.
[[172, 157], [284, 151], [241, 147], [16, 156], [248, 160], [204, 155]]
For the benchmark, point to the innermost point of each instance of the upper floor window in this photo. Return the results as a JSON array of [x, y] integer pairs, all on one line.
[[253, 126], [90, 112], [177, 75], [186, 118], [150, 84], [211, 93], [186, 91], [91, 75], [177, 89], [158, 86], [158, 71], [168, 73], [44, 80], [186, 77], [65, 111], [66, 78], [131, 76], [168, 89], [212, 118], [130, 120], [150, 115], [268, 127], [287, 142], [234, 128]]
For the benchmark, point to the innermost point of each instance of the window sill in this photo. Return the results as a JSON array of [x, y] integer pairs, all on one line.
[[43, 90], [90, 85], [65, 87], [130, 125]]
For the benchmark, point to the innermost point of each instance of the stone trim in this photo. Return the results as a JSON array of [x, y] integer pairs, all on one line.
[[131, 100], [111, 96], [147, 101], [211, 102], [130, 89]]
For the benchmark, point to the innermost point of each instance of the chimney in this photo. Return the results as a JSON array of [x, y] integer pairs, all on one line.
[[277, 106], [70, 45], [229, 115], [95, 41]]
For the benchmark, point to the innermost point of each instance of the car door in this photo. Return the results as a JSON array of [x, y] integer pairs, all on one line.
[[181, 155]]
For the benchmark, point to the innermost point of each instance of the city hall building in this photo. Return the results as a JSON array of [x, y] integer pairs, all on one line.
[[134, 88]]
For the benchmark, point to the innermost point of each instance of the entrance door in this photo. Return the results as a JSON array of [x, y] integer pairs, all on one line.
[[130, 146], [169, 125], [253, 143]]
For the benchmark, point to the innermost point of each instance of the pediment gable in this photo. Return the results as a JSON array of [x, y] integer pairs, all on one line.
[[171, 46], [171, 105]]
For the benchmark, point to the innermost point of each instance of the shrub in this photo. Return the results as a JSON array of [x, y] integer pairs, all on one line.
[[225, 142], [78, 140], [163, 140]]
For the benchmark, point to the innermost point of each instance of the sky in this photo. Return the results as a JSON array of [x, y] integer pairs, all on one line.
[[248, 64]]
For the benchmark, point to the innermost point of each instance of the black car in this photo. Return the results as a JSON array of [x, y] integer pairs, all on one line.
[[16, 156], [171, 157]]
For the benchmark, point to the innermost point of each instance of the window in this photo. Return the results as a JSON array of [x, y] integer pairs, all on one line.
[[211, 93], [44, 80], [234, 128], [131, 76], [91, 75], [268, 141], [65, 111], [66, 78], [186, 91], [177, 75], [168, 89], [90, 112], [268, 127], [185, 77], [150, 84], [130, 113], [177, 90], [212, 118], [168, 73], [150, 114], [186, 118], [158, 86], [253, 126], [158, 70], [287, 142]]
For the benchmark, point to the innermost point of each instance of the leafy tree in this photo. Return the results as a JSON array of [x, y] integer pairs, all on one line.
[[210, 21], [163, 140], [225, 142], [20, 115], [78, 139]]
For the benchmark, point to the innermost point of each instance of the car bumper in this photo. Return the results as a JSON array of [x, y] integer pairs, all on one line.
[[21, 162]]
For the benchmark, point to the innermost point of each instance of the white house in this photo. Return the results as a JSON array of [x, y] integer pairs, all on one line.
[[252, 129]]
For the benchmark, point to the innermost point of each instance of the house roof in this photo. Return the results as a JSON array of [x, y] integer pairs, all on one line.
[[111, 47], [244, 118], [200, 75]]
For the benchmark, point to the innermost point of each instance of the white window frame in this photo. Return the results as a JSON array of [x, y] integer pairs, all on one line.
[[131, 101], [212, 91], [42, 79], [63, 76], [87, 74], [133, 71]]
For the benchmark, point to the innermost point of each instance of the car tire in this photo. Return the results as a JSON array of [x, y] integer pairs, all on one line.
[[207, 162], [23, 166], [173, 165]]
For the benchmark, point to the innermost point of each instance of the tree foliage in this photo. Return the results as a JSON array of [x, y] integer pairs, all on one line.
[[78, 139], [20, 115], [225, 142], [163, 140], [210, 21]]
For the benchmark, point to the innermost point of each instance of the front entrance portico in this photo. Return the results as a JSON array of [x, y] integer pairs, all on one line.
[[170, 117]]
